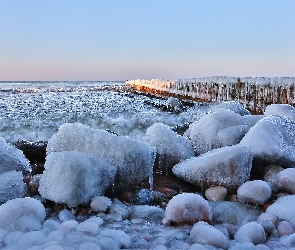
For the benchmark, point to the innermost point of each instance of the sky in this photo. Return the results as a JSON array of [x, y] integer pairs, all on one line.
[[136, 39]]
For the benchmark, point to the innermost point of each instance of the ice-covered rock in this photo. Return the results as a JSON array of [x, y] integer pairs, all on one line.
[[117, 207], [227, 166], [118, 235], [269, 217], [285, 110], [257, 192], [12, 186], [12, 158], [187, 208], [231, 105], [251, 232], [171, 148], [174, 104], [272, 140], [134, 159], [285, 228], [235, 213], [12, 210], [142, 197], [283, 208], [286, 179], [216, 130], [146, 213], [75, 178], [203, 233], [65, 215], [217, 193], [100, 203]]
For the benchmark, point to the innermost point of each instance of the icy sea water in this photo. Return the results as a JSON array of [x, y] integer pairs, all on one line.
[[33, 111]]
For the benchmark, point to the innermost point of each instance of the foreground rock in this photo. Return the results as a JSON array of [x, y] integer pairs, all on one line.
[[272, 140], [134, 159], [228, 167], [35, 152], [187, 208], [171, 148], [216, 130], [74, 178]]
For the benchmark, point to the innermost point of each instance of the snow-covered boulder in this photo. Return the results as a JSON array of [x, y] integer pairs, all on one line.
[[251, 232], [187, 208], [257, 192], [12, 158], [75, 178], [231, 105], [272, 140], [283, 208], [216, 130], [171, 148], [286, 180], [134, 159], [235, 213], [14, 213], [227, 166], [285, 110], [206, 234], [12, 186]]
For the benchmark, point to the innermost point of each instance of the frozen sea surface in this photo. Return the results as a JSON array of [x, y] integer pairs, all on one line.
[[34, 111]]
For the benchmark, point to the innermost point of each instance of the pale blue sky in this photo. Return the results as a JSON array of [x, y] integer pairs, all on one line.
[[130, 39]]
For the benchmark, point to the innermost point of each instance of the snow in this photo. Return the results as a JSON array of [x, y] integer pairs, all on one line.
[[133, 159], [171, 148], [285, 228], [65, 215], [272, 139], [215, 130], [285, 110], [12, 186], [257, 192], [231, 105], [206, 234], [187, 208], [286, 180], [74, 178], [227, 166]]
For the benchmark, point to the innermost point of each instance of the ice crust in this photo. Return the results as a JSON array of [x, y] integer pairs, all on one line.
[[74, 178], [171, 148], [134, 159], [251, 232], [216, 130], [272, 139], [12, 158], [227, 166]]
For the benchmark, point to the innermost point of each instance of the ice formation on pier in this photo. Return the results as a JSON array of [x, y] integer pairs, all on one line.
[[253, 92]]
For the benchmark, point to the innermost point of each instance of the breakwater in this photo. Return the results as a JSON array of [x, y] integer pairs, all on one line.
[[254, 93]]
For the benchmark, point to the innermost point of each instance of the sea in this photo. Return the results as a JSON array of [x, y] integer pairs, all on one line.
[[33, 111]]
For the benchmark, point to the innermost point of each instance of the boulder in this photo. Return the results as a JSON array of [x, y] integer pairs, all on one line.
[[251, 232], [217, 193], [286, 180], [216, 130], [227, 166], [134, 159], [75, 178], [272, 141], [171, 148]]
